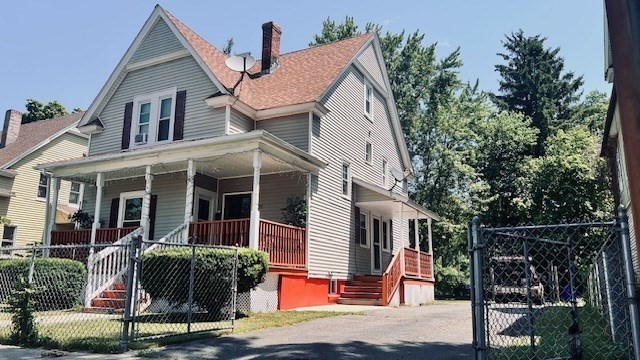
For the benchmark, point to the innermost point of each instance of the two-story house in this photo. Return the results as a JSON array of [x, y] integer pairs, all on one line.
[[181, 144], [621, 141], [23, 189]]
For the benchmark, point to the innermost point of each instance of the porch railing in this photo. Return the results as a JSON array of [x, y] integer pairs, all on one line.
[[405, 263], [285, 244], [220, 232], [83, 237]]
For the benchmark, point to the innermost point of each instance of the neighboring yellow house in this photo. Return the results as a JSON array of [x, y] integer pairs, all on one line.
[[23, 189]]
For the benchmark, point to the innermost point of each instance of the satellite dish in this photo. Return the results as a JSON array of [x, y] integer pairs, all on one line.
[[397, 174], [240, 62]]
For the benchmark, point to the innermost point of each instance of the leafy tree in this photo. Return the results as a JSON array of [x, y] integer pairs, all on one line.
[[534, 82], [333, 32], [591, 112], [39, 111]]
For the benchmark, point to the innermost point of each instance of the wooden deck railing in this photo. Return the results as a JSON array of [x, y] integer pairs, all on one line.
[[83, 237], [391, 277], [411, 262], [285, 244], [426, 265], [220, 232]]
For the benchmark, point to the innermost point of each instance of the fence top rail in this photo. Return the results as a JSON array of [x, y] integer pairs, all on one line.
[[552, 226], [152, 242]]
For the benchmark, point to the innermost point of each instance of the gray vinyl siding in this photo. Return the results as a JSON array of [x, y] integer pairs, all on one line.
[[332, 246], [239, 123], [293, 129], [186, 74], [369, 61], [159, 41], [170, 189], [274, 191], [206, 182]]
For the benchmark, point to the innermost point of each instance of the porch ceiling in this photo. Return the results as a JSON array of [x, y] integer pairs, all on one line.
[[224, 157]]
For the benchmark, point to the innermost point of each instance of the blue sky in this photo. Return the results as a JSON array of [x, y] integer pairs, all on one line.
[[65, 50]]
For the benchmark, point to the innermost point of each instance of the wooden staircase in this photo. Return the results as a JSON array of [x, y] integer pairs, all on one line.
[[111, 300], [362, 290]]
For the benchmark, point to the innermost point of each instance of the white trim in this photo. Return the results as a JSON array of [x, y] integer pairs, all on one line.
[[118, 73], [124, 196], [209, 195], [310, 133], [367, 229], [373, 248], [262, 174], [155, 101], [385, 173], [224, 198], [157, 60], [264, 114], [227, 119], [348, 180]]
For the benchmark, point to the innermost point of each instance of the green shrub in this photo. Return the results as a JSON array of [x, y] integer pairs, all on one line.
[[22, 306], [165, 275], [59, 282]]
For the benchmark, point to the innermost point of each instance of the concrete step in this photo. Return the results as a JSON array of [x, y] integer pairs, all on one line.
[[360, 302]]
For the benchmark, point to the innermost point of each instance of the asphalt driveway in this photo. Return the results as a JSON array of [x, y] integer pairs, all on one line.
[[438, 331]]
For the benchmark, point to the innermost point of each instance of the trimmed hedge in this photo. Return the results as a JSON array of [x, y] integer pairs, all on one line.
[[59, 282], [165, 275]]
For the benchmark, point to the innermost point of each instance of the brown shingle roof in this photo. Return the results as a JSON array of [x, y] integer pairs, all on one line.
[[33, 134], [302, 76]]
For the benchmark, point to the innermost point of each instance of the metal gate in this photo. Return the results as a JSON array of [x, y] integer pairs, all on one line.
[[554, 291]]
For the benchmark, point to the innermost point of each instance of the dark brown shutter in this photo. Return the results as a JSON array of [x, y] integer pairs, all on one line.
[[391, 235], [113, 215], [356, 211], [126, 126], [152, 215], [178, 124]]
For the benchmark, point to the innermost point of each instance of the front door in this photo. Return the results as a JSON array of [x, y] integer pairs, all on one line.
[[376, 247], [237, 206], [204, 205]]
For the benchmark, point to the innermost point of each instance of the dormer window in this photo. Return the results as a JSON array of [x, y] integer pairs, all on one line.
[[153, 118], [368, 100]]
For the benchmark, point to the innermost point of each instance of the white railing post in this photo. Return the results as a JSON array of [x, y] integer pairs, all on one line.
[[46, 236], [430, 239], [254, 223], [417, 244], [94, 229], [188, 208], [54, 203]]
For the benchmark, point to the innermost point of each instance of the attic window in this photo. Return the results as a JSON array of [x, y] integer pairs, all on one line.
[[368, 99], [153, 118]]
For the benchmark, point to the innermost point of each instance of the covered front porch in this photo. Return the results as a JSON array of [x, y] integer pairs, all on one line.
[[226, 191]]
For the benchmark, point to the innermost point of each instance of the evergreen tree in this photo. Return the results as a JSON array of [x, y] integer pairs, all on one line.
[[534, 82]]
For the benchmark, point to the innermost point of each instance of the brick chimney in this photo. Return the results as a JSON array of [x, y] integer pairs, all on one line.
[[11, 128], [271, 33]]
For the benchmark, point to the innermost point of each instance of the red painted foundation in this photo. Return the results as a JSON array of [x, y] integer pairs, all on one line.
[[296, 291]]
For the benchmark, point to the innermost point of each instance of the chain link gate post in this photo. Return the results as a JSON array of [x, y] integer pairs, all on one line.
[[623, 222], [477, 290], [127, 322]]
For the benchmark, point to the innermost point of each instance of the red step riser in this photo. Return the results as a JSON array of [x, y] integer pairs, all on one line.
[[114, 294], [368, 289], [364, 284], [367, 278], [361, 296], [119, 286], [107, 303]]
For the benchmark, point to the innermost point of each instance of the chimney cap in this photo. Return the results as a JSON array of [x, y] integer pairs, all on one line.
[[272, 24]]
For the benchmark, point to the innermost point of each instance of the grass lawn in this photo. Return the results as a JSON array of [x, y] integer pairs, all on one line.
[[101, 333], [552, 340]]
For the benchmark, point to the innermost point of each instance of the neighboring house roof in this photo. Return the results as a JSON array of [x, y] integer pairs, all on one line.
[[33, 136]]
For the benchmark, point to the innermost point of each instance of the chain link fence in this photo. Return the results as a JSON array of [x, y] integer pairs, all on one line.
[[105, 296], [553, 291]]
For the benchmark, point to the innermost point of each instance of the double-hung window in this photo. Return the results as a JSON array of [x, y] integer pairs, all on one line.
[[42, 186], [346, 179], [153, 117], [364, 225], [368, 152], [386, 243], [75, 193], [368, 99]]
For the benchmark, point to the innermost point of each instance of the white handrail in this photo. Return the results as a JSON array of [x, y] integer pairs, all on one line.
[[179, 235], [107, 266]]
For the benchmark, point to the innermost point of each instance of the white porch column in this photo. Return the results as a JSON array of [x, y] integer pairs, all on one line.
[[94, 229], [417, 241], [55, 186], [254, 224], [430, 244], [146, 203], [402, 240], [188, 208], [46, 234]]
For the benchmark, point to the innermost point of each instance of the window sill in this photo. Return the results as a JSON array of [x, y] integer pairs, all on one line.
[[368, 117], [44, 200], [366, 246]]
